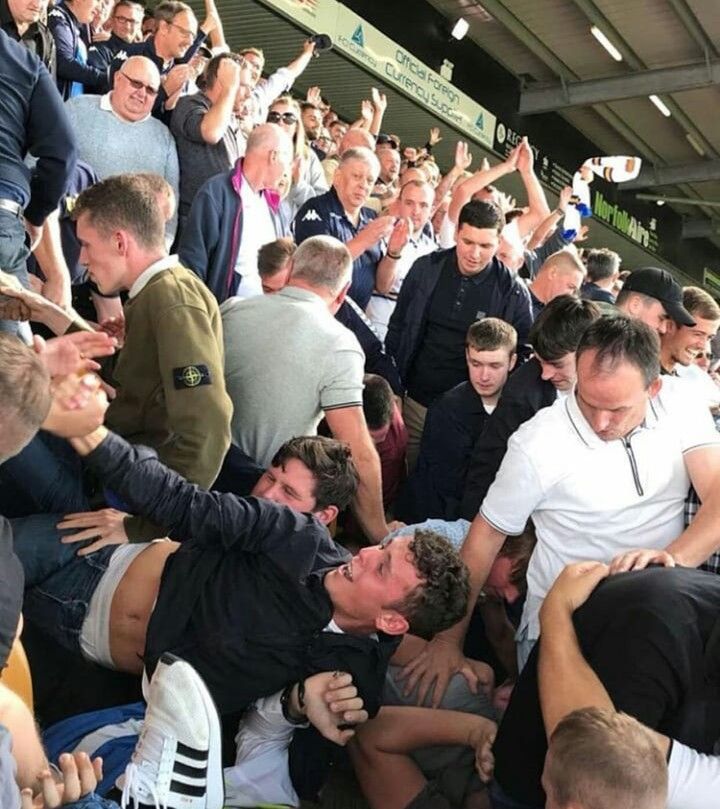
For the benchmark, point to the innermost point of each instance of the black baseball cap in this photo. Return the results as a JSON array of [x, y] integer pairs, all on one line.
[[659, 284], [12, 581]]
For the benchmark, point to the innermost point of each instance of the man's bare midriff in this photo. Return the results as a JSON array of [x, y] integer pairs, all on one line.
[[132, 604]]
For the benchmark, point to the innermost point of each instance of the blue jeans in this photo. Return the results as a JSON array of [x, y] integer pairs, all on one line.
[[59, 583], [45, 477], [13, 256], [10, 794]]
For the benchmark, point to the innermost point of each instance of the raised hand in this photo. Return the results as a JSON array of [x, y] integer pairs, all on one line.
[[463, 158], [378, 99]]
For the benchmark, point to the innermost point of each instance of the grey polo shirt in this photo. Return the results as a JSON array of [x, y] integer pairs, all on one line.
[[287, 361]]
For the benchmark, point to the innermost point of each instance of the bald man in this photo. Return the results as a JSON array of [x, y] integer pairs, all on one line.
[[354, 138], [116, 133], [562, 273], [215, 243]]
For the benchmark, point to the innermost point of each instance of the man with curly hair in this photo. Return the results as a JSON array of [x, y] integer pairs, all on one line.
[[246, 594]]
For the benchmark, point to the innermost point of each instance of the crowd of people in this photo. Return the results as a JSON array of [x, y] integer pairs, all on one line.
[[321, 462]]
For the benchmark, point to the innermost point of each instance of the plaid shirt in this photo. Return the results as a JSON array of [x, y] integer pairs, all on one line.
[[692, 504]]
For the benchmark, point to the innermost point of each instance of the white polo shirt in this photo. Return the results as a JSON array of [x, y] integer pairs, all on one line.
[[593, 499], [381, 307], [703, 385]]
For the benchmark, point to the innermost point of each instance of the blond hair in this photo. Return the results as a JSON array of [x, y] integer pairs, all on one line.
[[603, 759]]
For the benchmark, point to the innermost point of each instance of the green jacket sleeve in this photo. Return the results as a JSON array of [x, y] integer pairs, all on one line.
[[198, 407]]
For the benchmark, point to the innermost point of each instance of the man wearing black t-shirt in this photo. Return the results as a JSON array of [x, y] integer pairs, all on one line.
[[443, 294], [651, 640]]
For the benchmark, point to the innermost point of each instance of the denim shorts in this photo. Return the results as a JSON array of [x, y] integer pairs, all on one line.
[[58, 583]]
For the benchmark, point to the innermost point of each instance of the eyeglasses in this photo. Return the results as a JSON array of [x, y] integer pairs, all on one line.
[[138, 85], [126, 20], [286, 117], [185, 31]]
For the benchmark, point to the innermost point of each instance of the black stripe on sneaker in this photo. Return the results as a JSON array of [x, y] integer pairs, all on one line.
[[186, 789], [187, 770], [191, 752]]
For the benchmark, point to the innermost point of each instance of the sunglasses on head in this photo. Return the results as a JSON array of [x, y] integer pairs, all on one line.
[[138, 85], [285, 117]]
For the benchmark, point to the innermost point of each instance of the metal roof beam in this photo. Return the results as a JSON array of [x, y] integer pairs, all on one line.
[[699, 229], [693, 26], [614, 88], [699, 172], [596, 17]]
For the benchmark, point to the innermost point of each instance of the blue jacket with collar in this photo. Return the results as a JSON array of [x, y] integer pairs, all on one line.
[[406, 330], [67, 33], [101, 55], [33, 119], [210, 240]]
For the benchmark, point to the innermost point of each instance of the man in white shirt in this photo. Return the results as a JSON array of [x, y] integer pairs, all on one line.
[[265, 91], [409, 241], [234, 214], [681, 344], [602, 472]]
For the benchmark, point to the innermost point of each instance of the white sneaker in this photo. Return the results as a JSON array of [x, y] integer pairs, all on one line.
[[177, 763]]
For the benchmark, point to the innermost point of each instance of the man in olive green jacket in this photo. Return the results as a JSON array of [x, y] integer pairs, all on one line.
[[169, 374]]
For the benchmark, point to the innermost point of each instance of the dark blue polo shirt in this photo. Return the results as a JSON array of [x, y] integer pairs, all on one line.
[[457, 302], [325, 216], [536, 305], [452, 426]]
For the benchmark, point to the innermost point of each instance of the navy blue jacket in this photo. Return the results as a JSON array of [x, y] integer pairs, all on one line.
[[37, 38], [592, 292], [33, 119], [210, 240], [67, 32], [524, 394], [243, 600], [406, 330], [102, 54], [435, 487]]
